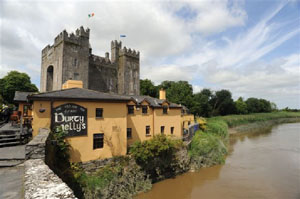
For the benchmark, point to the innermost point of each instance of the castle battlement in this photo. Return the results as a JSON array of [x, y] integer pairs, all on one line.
[[129, 52], [80, 33], [116, 44], [100, 60]]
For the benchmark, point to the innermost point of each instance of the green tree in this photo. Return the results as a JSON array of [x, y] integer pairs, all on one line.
[[180, 92], [222, 103], [201, 105], [15, 81], [241, 106], [147, 88]]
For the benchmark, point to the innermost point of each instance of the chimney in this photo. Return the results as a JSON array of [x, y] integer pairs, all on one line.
[[72, 84], [162, 94]]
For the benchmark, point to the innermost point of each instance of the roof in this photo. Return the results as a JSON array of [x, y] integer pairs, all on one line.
[[78, 94], [154, 102], [91, 95], [21, 96]]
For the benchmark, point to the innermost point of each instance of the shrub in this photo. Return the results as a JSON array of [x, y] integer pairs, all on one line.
[[156, 156], [206, 150]]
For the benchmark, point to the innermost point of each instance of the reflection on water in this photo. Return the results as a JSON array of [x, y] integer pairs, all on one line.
[[263, 164]]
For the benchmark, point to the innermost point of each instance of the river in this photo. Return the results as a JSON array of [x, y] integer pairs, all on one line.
[[259, 165]]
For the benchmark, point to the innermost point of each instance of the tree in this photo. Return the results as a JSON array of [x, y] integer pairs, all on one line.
[[201, 105], [15, 81], [222, 103], [241, 106], [180, 92], [147, 88]]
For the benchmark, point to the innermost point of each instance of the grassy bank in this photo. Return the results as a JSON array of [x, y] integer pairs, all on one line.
[[237, 120]]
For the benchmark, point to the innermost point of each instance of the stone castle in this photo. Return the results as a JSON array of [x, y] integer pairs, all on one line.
[[70, 57]]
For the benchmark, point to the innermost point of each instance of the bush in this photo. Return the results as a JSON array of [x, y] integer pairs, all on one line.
[[206, 149], [156, 156], [122, 178]]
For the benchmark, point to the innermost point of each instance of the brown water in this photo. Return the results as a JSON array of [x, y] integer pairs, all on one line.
[[259, 165]]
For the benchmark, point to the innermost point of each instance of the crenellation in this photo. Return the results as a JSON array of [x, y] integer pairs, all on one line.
[[130, 52]]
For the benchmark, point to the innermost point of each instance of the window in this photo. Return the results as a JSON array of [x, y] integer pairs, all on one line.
[[165, 110], [130, 109], [76, 76], [189, 122], [172, 130], [98, 140], [99, 112], [147, 130], [75, 62], [162, 129], [129, 133], [144, 109]]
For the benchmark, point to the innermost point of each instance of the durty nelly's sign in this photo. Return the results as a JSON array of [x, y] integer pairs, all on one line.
[[72, 118]]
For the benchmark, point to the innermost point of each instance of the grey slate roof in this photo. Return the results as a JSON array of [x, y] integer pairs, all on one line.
[[78, 94], [21, 96], [154, 102], [86, 94]]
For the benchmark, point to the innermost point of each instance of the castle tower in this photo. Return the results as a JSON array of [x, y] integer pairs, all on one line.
[[67, 58], [128, 72]]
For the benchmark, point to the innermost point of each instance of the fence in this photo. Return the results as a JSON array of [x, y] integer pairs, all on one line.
[[189, 133]]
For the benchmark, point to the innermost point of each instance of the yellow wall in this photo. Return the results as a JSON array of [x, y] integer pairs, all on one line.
[[138, 122], [21, 108], [185, 119], [172, 118], [113, 125]]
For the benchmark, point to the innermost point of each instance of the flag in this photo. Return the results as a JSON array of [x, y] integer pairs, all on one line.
[[122, 35], [91, 15]]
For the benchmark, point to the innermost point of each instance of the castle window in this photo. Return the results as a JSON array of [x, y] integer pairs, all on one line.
[[130, 109], [75, 62], [144, 109], [147, 130], [98, 140], [165, 110], [129, 133], [99, 112], [76, 76], [172, 130], [162, 129]]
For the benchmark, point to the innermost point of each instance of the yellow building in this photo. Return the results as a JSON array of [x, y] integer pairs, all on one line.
[[101, 125]]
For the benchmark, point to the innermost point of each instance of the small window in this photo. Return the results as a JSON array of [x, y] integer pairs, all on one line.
[[144, 109], [99, 112], [129, 133], [165, 110], [76, 76], [147, 130], [162, 129], [98, 140], [75, 62], [172, 130], [130, 109], [189, 122]]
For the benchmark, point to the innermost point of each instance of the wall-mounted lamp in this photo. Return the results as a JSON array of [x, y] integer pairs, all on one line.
[[42, 110]]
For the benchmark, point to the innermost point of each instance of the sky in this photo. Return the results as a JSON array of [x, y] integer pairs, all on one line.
[[251, 48]]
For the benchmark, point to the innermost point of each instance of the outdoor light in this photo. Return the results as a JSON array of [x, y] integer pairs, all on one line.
[[42, 110]]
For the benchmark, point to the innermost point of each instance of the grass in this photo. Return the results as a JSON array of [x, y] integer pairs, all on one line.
[[237, 120]]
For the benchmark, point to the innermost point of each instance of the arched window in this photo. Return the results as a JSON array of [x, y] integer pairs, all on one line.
[[49, 84]]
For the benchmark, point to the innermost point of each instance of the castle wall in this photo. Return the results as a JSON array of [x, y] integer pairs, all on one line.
[[102, 75]]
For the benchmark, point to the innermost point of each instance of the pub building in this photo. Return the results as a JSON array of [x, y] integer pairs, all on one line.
[[101, 125]]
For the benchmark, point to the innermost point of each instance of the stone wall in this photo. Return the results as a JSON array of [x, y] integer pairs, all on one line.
[[40, 181], [36, 148]]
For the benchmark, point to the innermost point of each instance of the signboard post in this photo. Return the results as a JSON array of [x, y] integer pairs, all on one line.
[[72, 118]]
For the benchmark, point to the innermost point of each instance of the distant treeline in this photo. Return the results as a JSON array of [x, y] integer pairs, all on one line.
[[206, 103]]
